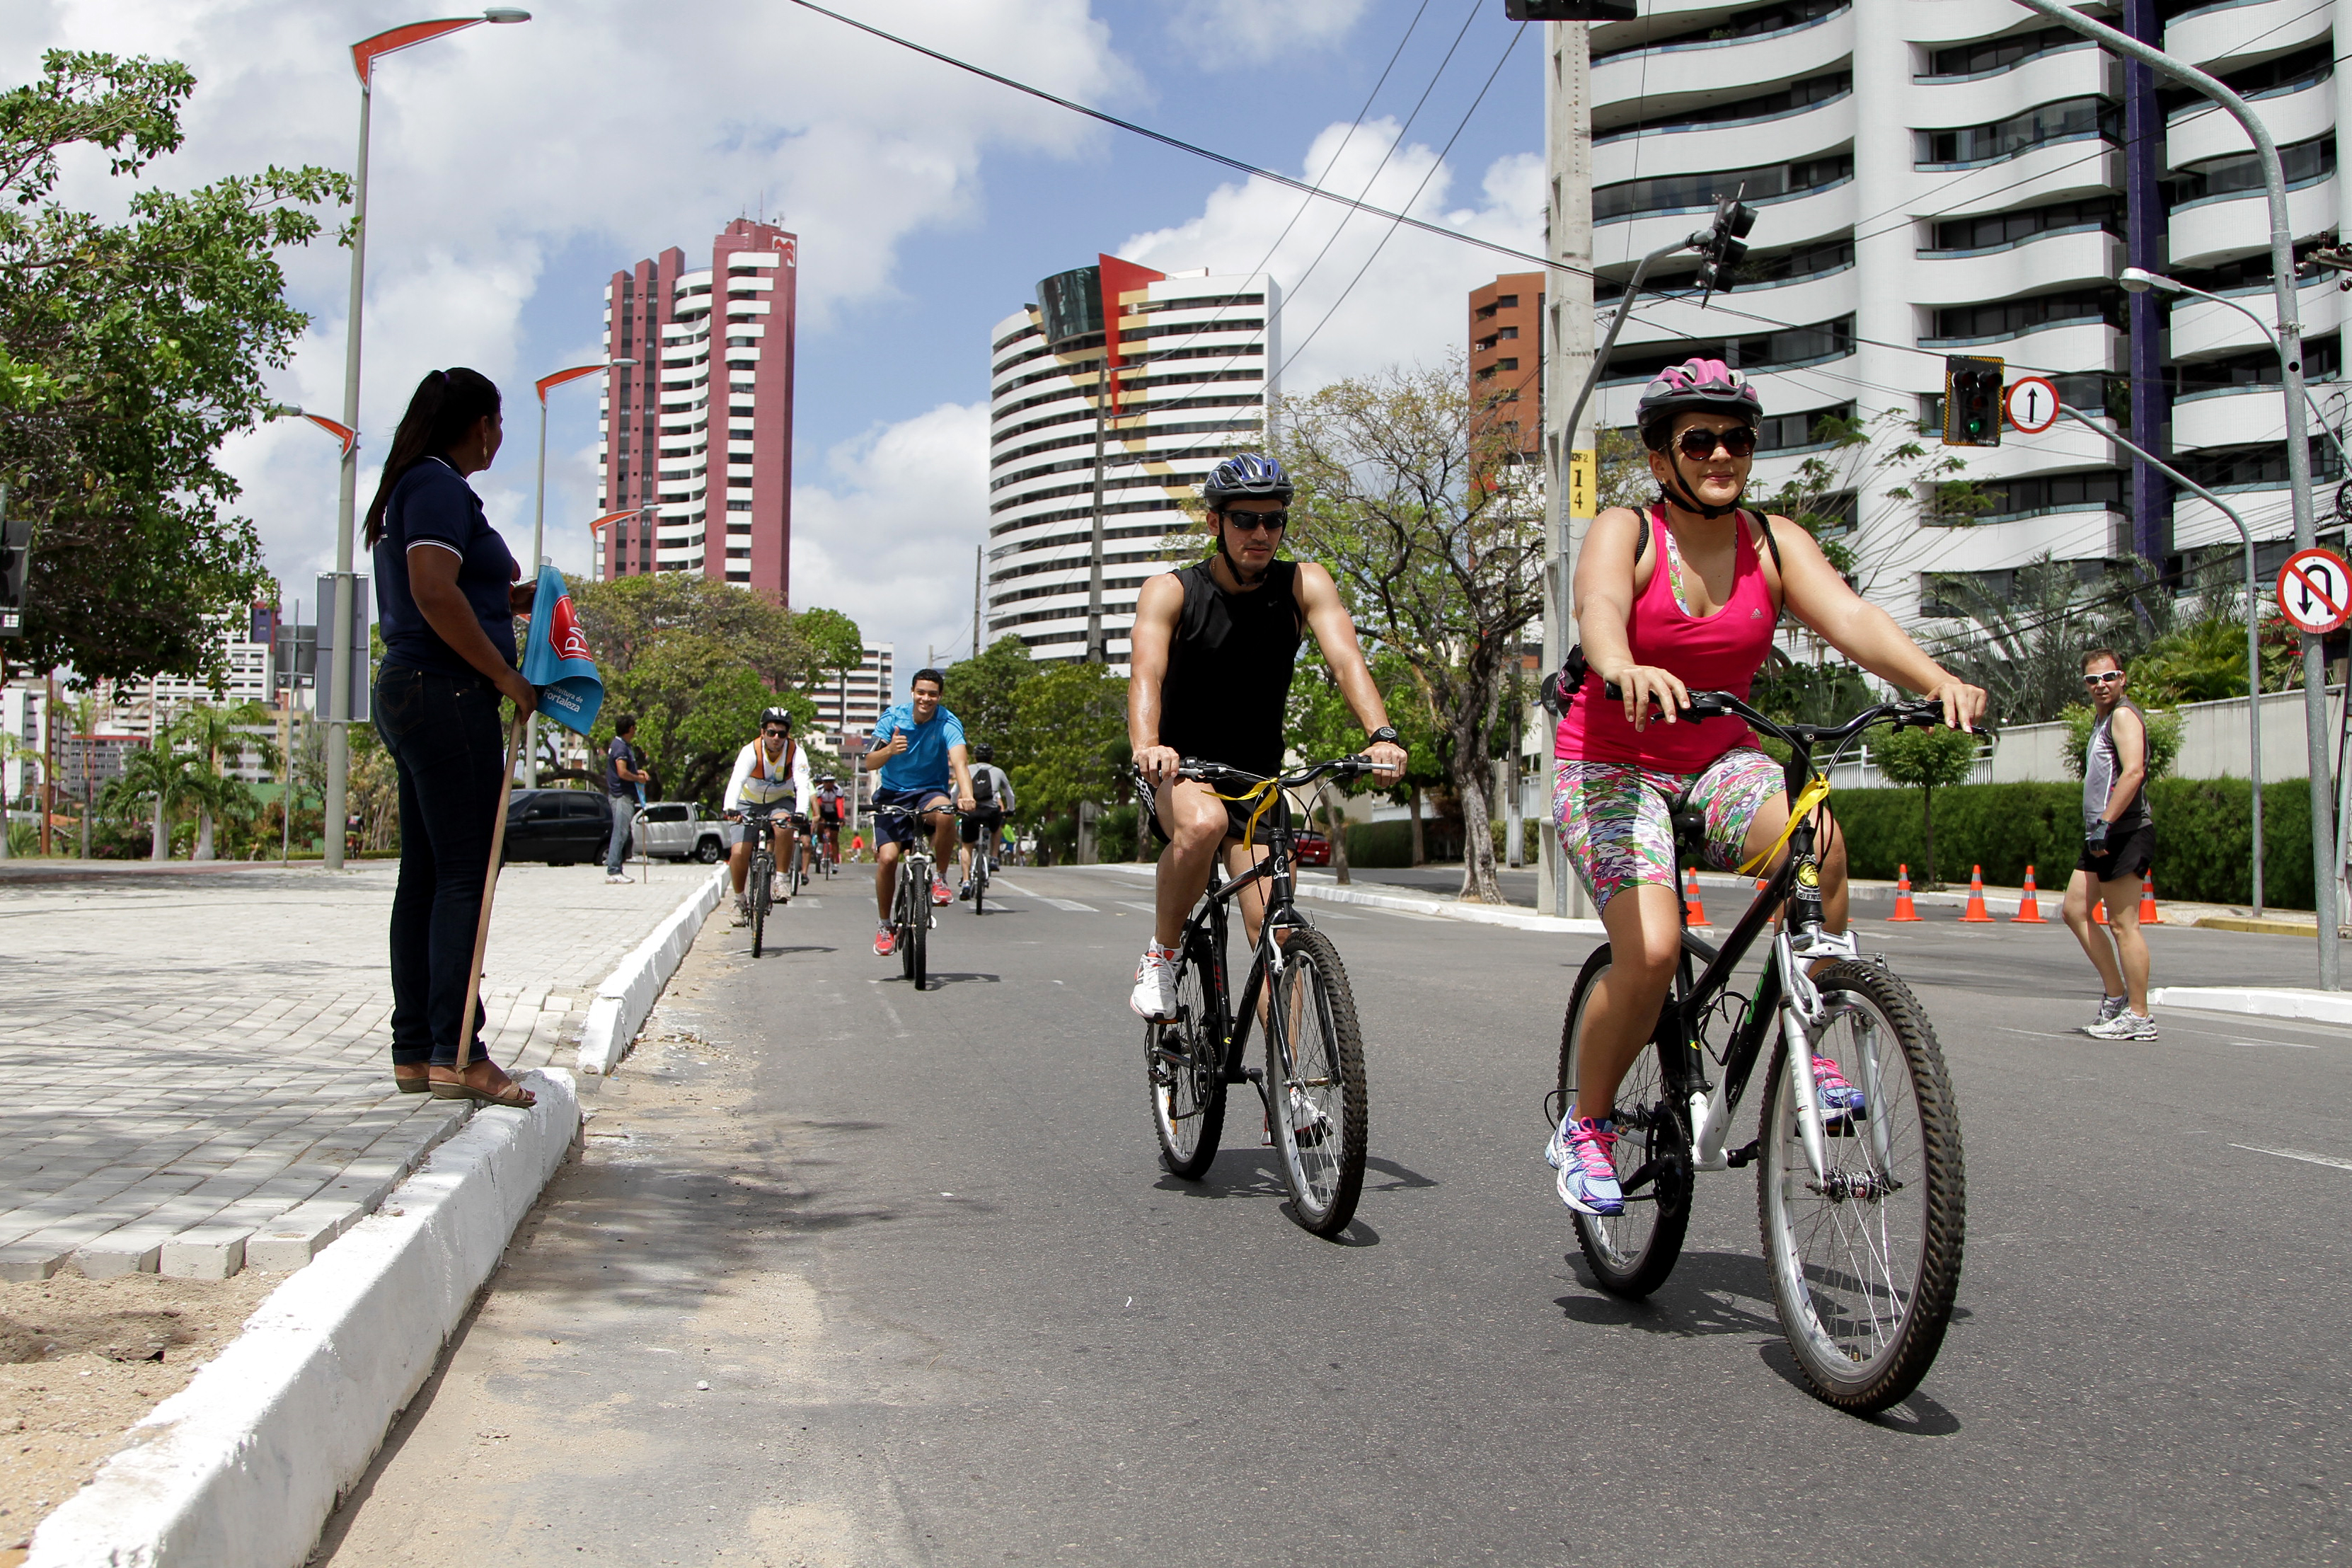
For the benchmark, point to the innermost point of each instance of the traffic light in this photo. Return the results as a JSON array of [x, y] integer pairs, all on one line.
[[1569, 10], [1723, 247], [16, 567], [1971, 401]]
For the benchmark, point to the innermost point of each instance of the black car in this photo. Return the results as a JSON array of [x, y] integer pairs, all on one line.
[[560, 826]]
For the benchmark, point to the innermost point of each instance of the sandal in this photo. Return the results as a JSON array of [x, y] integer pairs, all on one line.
[[514, 1094], [417, 1084]]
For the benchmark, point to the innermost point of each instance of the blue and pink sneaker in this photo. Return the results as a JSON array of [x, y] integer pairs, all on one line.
[[1580, 1151], [1839, 1100]]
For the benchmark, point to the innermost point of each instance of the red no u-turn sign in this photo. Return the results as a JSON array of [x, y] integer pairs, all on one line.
[[2315, 591]]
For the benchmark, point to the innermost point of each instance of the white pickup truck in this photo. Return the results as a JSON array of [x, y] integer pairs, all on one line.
[[678, 830]]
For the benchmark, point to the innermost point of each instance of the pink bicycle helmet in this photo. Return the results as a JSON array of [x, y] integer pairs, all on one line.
[[1694, 386]]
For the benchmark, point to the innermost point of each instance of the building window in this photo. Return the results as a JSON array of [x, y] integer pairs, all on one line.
[[2302, 164], [739, 506], [1680, 193], [1997, 229], [2008, 318], [2068, 120], [1999, 54]]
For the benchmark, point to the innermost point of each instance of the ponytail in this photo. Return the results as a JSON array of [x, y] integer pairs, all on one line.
[[446, 404]]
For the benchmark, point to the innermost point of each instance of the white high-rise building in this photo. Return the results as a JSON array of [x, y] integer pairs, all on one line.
[[852, 702], [1943, 177], [1192, 354]]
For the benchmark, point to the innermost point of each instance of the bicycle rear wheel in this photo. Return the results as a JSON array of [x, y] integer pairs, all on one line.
[[1315, 1083], [1631, 1254], [903, 922], [1865, 1261], [918, 943], [979, 884], [1183, 1064], [762, 889]]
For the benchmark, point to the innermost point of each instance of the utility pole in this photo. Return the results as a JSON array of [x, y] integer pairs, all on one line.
[[978, 552], [1567, 359]]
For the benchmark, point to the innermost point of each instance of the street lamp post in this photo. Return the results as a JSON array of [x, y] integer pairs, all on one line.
[[2253, 608], [538, 530], [364, 54], [2298, 443]]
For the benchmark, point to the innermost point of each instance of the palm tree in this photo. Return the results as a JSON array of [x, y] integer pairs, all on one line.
[[158, 773], [212, 731]]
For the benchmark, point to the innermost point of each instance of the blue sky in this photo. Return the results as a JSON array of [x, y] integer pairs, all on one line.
[[516, 168]]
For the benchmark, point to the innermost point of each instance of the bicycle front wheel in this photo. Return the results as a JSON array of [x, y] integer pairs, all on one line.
[[762, 891], [1865, 1258], [1632, 1253], [919, 938], [1184, 1066], [1315, 1083]]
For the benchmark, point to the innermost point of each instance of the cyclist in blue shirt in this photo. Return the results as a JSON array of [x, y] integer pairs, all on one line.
[[918, 751]]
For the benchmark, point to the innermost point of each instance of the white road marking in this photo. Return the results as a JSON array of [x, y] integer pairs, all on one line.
[[2037, 1034], [1072, 905], [2281, 1045], [2305, 1156], [1145, 908], [1009, 887]]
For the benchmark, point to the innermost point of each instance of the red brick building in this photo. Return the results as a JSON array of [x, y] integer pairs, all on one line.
[[1507, 356]]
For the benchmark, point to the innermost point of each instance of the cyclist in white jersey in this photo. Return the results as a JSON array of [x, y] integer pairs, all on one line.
[[772, 770]]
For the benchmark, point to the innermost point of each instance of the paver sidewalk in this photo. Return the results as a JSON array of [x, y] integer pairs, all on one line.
[[199, 1072]]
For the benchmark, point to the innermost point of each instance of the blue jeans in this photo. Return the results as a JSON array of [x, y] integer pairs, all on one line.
[[443, 734], [624, 814]]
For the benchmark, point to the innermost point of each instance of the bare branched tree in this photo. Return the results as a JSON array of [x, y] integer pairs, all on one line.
[[1435, 534]]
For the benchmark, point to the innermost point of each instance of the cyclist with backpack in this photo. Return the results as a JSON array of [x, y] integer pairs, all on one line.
[[1687, 596], [991, 790]]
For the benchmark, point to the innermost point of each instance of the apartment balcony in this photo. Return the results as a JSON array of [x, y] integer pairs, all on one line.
[[1818, 298], [2205, 129], [1709, 65], [2232, 416], [2202, 327], [2061, 348], [1815, 214], [2216, 227], [2214, 38], [1786, 138], [2073, 257], [1946, 103]]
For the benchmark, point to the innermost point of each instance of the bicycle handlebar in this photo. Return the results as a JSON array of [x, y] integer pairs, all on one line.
[[1201, 771], [1918, 712]]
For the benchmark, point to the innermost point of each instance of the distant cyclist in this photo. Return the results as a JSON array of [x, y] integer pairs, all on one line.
[[770, 772], [2118, 847], [918, 755], [1687, 596], [828, 809], [1213, 650], [991, 788]]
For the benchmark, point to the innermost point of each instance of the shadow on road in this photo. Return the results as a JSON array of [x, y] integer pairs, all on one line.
[[783, 951], [1692, 1303], [1917, 1417], [938, 980]]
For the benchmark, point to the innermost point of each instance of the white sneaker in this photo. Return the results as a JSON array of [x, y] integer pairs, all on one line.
[[779, 889], [612, 877], [1155, 983], [2124, 1025]]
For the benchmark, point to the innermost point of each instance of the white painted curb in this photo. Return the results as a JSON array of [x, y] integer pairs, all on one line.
[[1478, 914], [240, 1468], [2281, 1002], [628, 994]]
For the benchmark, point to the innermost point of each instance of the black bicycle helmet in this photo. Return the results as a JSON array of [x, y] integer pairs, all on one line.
[[984, 752], [1246, 476], [776, 716]]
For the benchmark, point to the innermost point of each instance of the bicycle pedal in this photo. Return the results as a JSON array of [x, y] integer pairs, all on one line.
[[1742, 1157]]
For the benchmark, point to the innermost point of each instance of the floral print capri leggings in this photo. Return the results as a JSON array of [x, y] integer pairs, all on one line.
[[1616, 819]]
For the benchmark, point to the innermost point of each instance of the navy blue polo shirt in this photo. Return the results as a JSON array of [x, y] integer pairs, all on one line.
[[434, 508]]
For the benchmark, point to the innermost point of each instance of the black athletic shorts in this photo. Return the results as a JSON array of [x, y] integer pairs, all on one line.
[[991, 817], [2129, 856]]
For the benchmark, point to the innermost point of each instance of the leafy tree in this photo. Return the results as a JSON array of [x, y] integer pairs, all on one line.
[[1437, 546], [2163, 736], [129, 352], [1927, 760], [1872, 475], [1069, 739], [2023, 641], [981, 692], [212, 732]]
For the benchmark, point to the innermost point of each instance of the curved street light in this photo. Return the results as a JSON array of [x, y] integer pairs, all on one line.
[[2139, 281], [364, 54]]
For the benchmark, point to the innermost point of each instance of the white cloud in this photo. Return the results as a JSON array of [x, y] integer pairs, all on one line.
[[887, 539], [613, 129], [1409, 305], [1245, 34]]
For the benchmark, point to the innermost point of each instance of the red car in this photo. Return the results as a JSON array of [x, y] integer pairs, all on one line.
[[1314, 849]]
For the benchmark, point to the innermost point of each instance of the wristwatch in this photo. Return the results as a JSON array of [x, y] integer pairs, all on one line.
[[1385, 733]]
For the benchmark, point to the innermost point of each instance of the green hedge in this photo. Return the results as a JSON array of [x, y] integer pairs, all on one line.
[[1384, 846], [2204, 835]]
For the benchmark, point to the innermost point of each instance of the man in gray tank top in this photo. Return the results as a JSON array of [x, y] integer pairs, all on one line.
[[2118, 847]]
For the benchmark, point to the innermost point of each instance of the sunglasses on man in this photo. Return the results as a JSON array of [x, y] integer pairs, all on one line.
[[2103, 678], [1251, 521], [1699, 444]]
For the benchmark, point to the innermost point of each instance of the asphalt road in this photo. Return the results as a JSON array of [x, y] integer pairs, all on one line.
[[950, 1311]]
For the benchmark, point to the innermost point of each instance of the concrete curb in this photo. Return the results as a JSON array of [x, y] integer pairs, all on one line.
[[2266, 1002], [628, 994], [240, 1468]]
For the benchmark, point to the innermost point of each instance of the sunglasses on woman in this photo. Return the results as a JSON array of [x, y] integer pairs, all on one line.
[[1699, 444]]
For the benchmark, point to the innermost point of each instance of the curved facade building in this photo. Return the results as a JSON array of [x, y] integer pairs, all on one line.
[[1189, 356], [1952, 177]]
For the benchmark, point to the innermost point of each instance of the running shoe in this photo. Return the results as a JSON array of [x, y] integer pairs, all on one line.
[[886, 942], [1155, 983], [1309, 1125], [2124, 1025], [963, 893], [1580, 1151], [1838, 1099], [612, 877], [2108, 1008], [742, 911], [940, 894]]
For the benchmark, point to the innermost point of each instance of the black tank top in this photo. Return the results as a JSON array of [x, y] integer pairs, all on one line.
[[1229, 668]]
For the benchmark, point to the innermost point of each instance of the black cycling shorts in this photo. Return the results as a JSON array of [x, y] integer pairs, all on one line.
[[2129, 856], [991, 817]]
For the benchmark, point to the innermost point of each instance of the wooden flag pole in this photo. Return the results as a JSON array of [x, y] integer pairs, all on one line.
[[489, 892]]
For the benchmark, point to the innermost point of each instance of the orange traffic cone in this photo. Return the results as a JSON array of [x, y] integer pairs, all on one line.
[[2098, 911], [1694, 913], [2029, 909], [1975, 914], [2147, 915], [1903, 909]]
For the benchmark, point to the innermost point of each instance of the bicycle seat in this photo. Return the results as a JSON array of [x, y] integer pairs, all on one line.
[[1690, 834]]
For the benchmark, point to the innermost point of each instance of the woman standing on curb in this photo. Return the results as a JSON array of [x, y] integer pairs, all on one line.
[[447, 595]]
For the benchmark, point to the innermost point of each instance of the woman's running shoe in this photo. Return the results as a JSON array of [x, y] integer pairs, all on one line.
[[886, 942], [1580, 1151], [1837, 1097], [2124, 1025], [2108, 1008]]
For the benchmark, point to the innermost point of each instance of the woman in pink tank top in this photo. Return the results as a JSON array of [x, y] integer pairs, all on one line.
[[1687, 599]]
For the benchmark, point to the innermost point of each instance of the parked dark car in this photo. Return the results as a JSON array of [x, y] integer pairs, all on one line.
[[1314, 849], [560, 826]]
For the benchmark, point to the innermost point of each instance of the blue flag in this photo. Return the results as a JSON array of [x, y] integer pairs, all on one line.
[[556, 658]]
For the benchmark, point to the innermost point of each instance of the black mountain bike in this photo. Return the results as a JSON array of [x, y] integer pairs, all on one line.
[[1312, 1086], [759, 883], [1863, 1215], [910, 903]]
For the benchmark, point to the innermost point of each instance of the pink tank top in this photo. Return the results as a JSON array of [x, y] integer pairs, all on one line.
[[1721, 652]]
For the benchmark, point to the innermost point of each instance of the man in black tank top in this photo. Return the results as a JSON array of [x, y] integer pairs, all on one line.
[[2118, 847], [1211, 655]]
